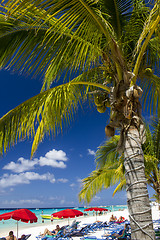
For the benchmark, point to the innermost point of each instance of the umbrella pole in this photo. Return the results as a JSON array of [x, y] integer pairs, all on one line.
[[17, 230]]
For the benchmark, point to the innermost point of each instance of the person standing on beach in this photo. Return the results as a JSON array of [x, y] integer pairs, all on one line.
[[11, 236]]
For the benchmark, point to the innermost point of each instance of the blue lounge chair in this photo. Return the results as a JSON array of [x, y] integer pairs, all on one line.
[[24, 237]]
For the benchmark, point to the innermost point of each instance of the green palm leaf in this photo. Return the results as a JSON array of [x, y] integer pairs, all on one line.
[[107, 152], [150, 27], [25, 46], [98, 180], [121, 186], [109, 172], [49, 111]]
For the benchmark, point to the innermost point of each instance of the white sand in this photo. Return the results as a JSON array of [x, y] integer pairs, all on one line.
[[35, 230]]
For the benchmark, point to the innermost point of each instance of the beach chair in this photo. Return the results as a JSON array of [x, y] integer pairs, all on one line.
[[115, 228], [157, 233], [24, 237], [79, 232], [126, 235], [60, 234]]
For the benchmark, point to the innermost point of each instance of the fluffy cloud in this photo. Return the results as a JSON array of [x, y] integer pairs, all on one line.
[[52, 158], [56, 155], [91, 152], [24, 178], [21, 165]]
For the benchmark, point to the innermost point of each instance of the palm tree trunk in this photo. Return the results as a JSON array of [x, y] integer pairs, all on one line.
[[136, 187]]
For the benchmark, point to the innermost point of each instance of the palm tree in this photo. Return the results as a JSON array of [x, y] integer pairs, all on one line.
[[110, 166], [96, 46]]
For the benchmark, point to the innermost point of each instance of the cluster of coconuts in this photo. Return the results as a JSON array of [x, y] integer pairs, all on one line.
[[101, 101]]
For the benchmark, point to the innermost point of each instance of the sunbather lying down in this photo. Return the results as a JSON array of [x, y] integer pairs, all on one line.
[[121, 233], [51, 233]]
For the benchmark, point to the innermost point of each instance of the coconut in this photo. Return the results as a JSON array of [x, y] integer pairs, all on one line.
[[101, 109], [98, 100], [109, 131], [148, 72]]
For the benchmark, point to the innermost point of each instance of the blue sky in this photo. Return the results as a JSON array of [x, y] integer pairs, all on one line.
[[52, 178]]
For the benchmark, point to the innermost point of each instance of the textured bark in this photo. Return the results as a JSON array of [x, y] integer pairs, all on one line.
[[136, 187]]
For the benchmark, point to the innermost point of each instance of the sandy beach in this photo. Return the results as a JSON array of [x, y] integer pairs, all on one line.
[[35, 230]]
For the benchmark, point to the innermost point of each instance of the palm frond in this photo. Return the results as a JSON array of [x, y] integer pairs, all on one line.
[[116, 12], [121, 186], [98, 180], [156, 136], [48, 112], [25, 48], [76, 35], [151, 89], [107, 152], [110, 170], [135, 21], [148, 146], [151, 162], [152, 54], [150, 27]]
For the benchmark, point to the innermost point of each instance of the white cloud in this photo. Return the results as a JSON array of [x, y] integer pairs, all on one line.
[[21, 165], [24, 178], [51, 162], [91, 152], [56, 155], [62, 180], [52, 158]]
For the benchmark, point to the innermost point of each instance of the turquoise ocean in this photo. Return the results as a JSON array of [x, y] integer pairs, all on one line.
[[11, 224]]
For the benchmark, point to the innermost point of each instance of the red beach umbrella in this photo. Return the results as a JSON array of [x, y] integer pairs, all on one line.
[[68, 213], [25, 215], [96, 209]]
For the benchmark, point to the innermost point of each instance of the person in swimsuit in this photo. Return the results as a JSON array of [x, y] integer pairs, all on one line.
[[51, 233], [112, 218], [11, 236], [121, 233]]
